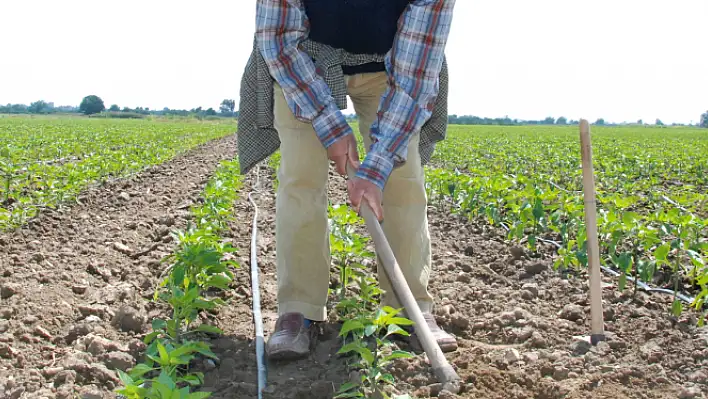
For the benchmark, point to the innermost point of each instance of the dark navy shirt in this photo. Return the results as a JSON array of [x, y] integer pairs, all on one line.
[[357, 26]]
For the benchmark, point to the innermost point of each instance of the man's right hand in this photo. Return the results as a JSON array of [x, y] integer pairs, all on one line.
[[342, 151]]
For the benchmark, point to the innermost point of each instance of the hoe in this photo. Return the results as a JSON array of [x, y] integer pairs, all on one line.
[[441, 367]]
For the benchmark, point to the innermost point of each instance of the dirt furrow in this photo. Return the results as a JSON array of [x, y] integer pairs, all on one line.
[[515, 318], [75, 281], [77, 303]]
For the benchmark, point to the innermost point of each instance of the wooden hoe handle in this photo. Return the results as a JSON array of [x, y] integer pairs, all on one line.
[[441, 367]]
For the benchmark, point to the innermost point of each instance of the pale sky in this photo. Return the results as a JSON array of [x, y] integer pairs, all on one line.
[[618, 59]]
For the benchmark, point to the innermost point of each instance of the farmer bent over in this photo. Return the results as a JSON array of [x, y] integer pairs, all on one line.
[[308, 56]]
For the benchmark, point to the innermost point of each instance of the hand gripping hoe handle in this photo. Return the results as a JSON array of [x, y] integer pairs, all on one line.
[[444, 372]]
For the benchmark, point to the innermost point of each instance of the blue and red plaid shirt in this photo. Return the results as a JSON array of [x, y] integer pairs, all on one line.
[[413, 65]]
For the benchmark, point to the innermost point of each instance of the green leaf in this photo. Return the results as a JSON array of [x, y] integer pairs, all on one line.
[[677, 308], [622, 281], [401, 321], [696, 258], [625, 262], [165, 380], [177, 356], [398, 354], [350, 347], [159, 324], [199, 395], [164, 356], [359, 348], [366, 354], [395, 329], [192, 380], [219, 281], [388, 378], [628, 218], [202, 304], [150, 337], [192, 295], [538, 209], [140, 369], [532, 240], [179, 393], [125, 378], [177, 275], [347, 386], [209, 329], [350, 325], [370, 330], [388, 310], [661, 252], [204, 350], [352, 394]]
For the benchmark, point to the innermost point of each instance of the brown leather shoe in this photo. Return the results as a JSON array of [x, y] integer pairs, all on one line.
[[290, 340], [446, 342]]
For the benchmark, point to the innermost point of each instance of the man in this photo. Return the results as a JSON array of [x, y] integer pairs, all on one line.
[[388, 57]]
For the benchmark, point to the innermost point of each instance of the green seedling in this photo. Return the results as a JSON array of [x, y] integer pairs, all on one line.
[[373, 358], [8, 166], [168, 362], [347, 247], [201, 263]]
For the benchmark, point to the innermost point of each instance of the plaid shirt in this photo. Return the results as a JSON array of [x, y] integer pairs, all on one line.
[[413, 64]]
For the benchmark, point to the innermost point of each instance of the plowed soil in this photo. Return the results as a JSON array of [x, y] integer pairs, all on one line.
[[76, 287]]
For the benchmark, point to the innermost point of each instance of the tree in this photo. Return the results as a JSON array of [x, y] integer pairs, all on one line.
[[549, 121], [39, 107], [211, 112], [659, 122], [640, 122], [600, 122], [91, 105], [227, 106], [704, 120], [561, 121], [114, 108]]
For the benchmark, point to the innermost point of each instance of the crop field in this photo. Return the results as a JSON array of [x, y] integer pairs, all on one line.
[[125, 253], [45, 162], [652, 193]]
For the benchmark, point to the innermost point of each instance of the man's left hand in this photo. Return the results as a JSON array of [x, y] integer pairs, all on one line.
[[361, 190]]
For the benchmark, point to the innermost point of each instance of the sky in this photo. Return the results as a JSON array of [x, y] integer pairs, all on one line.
[[621, 60]]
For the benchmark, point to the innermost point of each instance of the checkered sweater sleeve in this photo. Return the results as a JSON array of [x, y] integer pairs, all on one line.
[[281, 25], [413, 66]]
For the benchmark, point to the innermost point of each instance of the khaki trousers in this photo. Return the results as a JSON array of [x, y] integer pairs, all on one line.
[[302, 235]]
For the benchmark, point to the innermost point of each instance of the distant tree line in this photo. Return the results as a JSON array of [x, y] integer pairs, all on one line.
[[92, 105], [37, 107], [506, 121]]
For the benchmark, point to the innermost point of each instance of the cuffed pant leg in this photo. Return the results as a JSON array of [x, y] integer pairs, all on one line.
[[301, 233]]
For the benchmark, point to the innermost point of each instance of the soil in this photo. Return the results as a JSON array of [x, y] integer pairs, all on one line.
[[76, 285]]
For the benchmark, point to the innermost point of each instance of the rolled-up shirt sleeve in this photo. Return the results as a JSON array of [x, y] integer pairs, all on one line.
[[280, 27]]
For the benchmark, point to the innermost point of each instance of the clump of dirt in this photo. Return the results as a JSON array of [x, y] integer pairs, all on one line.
[[76, 287]]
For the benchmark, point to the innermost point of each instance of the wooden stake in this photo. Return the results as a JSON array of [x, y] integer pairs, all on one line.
[[597, 323]]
